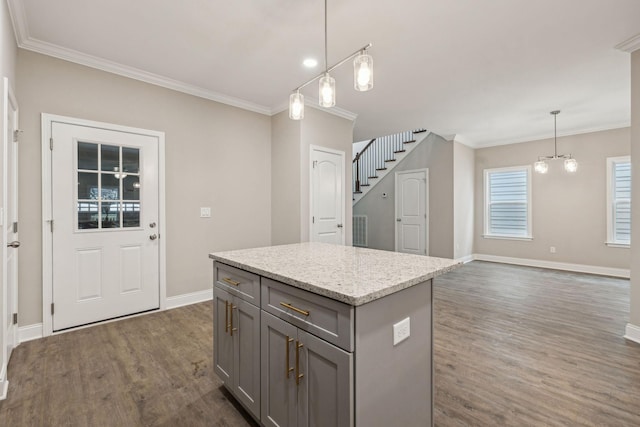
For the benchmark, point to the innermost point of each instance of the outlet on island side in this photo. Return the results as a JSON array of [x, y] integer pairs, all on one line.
[[401, 331]]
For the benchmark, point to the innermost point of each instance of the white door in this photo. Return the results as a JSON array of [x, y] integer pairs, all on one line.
[[327, 199], [105, 212], [10, 220], [411, 211]]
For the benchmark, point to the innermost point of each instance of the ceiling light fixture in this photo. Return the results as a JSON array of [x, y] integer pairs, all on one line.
[[570, 164], [309, 62], [362, 78]]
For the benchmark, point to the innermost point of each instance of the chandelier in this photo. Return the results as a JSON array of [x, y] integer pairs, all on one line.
[[570, 164]]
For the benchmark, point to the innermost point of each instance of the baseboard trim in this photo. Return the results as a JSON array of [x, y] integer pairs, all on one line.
[[30, 332], [578, 268], [191, 298], [466, 259], [632, 333], [4, 388]]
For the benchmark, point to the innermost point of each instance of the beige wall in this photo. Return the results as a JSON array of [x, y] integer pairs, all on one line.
[[635, 188], [216, 155], [569, 210], [436, 154], [285, 179], [463, 197]]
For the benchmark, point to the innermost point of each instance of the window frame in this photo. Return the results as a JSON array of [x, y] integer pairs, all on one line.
[[611, 241], [487, 234]]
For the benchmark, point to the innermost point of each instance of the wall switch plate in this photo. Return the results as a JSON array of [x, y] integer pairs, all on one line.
[[552, 249], [205, 212], [401, 331]]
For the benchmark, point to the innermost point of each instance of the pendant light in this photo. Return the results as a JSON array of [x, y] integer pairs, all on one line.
[[362, 78], [570, 164]]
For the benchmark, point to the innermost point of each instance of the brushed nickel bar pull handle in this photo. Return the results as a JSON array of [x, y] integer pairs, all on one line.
[[287, 368], [296, 309], [298, 374], [226, 316], [231, 315], [231, 282]]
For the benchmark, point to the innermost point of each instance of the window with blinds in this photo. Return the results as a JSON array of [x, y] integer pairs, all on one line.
[[508, 202], [619, 200]]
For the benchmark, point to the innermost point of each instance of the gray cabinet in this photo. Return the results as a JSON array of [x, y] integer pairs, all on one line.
[[306, 381], [237, 347]]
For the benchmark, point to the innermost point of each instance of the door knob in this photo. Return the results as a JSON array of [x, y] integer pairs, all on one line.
[[339, 225], [152, 225], [398, 220], [14, 244], [153, 237]]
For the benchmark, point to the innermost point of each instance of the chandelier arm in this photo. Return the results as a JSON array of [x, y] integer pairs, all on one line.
[[333, 67]]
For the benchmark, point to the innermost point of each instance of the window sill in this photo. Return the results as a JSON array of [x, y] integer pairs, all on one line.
[[493, 236], [618, 245]]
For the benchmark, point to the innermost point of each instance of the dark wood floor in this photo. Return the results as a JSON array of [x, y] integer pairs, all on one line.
[[514, 346]]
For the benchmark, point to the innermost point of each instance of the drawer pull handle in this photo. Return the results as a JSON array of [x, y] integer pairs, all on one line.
[[231, 282], [298, 374], [287, 368], [226, 316], [296, 309]]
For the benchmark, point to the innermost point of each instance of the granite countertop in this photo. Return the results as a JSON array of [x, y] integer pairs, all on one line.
[[344, 273]]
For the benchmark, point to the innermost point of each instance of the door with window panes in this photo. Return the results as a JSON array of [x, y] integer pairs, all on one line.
[[105, 224]]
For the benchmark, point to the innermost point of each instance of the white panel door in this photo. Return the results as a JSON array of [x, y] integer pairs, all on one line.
[[327, 199], [411, 212], [105, 211], [10, 221]]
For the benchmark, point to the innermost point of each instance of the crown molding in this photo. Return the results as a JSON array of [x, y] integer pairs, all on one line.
[[630, 45], [313, 103], [19, 20]]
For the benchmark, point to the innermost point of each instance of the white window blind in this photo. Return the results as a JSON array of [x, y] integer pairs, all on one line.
[[507, 202], [620, 199]]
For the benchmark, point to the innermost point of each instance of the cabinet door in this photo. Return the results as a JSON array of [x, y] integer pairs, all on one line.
[[246, 354], [325, 393], [222, 340], [278, 372]]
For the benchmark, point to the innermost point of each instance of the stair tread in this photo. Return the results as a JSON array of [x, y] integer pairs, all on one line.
[[381, 169], [400, 151], [409, 142], [419, 131], [390, 160], [365, 185], [373, 177], [357, 192]]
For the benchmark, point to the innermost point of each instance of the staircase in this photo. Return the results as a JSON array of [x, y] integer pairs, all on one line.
[[379, 157]]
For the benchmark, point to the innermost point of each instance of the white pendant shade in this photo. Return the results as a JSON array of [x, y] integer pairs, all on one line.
[[541, 166], [570, 165], [296, 106], [327, 91], [363, 72]]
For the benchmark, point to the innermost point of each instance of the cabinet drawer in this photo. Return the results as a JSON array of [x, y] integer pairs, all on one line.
[[237, 282], [323, 317]]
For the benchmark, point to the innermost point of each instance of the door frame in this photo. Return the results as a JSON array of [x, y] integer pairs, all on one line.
[[426, 207], [8, 101], [312, 149], [47, 207]]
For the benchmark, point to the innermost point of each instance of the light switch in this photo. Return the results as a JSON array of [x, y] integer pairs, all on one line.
[[205, 212], [401, 331]]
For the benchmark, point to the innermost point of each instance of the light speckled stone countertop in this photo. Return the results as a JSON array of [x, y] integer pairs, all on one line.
[[344, 273]]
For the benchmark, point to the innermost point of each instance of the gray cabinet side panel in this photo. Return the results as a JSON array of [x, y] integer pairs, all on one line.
[[393, 384]]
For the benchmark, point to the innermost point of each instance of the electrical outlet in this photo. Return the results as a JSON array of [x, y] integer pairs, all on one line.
[[401, 331], [552, 249], [205, 212]]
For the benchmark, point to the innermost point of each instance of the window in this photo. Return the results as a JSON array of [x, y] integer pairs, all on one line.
[[619, 201], [507, 203]]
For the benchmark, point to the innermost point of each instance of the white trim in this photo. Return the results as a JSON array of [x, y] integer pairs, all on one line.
[[30, 332], [345, 189], [630, 45], [632, 332], [313, 103], [47, 242], [4, 388], [190, 298], [426, 207], [485, 186], [466, 259], [554, 265], [618, 245]]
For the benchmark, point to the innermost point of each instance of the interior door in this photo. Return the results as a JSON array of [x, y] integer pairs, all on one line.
[[105, 210], [411, 212], [327, 199], [10, 220]]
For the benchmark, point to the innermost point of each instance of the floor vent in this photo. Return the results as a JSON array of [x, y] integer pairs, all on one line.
[[360, 231]]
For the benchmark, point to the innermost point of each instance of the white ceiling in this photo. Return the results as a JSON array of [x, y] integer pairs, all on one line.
[[488, 71]]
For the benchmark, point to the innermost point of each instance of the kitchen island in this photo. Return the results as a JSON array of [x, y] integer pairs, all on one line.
[[320, 334]]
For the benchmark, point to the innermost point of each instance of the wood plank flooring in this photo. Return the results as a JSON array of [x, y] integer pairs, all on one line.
[[514, 346]]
